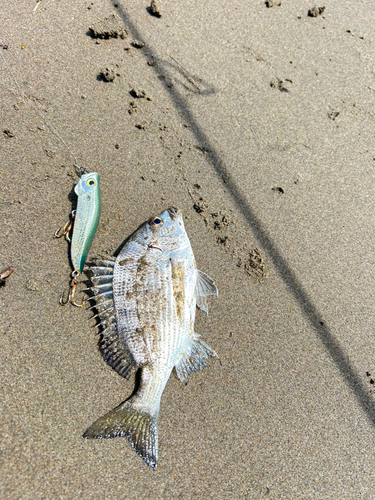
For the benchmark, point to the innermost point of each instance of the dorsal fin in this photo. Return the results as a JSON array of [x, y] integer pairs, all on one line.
[[100, 273], [112, 351]]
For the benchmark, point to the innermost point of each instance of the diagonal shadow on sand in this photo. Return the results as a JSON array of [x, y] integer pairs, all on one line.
[[333, 347]]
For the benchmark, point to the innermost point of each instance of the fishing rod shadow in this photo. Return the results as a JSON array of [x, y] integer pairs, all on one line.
[[173, 73], [333, 348], [170, 72]]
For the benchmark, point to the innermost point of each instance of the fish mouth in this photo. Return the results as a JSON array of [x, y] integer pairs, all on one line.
[[174, 212]]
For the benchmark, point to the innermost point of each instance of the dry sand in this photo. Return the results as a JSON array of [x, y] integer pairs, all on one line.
[[256, 121]]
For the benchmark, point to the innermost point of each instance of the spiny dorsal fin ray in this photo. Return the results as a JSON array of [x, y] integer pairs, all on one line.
[[101, 279], [100, 271], [195, 361], [108, 262], [139, 427], [104, 304], [100, 288], [101, 305], [107, 295], [108, 321], [104, 313]]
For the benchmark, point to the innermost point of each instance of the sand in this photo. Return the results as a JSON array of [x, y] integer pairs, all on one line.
[[257, 120]]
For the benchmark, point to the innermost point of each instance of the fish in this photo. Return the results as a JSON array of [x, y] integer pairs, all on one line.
[[146, 300], [84, 222]]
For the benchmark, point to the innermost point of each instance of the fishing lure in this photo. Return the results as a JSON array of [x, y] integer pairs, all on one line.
[[84, 221]]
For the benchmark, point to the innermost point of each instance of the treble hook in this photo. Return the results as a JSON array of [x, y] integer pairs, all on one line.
[[72, 289], [66, 229]]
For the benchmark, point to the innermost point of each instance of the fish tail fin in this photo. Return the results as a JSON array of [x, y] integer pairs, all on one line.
[[138, 426]]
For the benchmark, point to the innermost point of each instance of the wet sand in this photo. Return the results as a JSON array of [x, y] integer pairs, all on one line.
[[257, 120]]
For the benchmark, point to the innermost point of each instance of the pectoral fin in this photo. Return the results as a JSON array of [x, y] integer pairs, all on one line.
[[205, 286]]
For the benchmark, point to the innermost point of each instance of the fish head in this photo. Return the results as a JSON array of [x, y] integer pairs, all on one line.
[[87, 183], [165, 232]]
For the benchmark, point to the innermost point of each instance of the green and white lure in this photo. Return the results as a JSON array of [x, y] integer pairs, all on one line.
[[84, 221]]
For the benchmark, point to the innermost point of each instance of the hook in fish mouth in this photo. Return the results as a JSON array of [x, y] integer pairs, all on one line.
[[173, 212]]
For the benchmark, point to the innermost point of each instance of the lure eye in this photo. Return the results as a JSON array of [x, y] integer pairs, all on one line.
[[91, 182], [156, 221]]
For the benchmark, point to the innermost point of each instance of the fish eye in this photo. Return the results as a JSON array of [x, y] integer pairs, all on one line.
[[91, 182], [156, 221]]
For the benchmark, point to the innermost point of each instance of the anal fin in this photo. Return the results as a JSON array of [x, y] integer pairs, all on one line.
[[195, 361]]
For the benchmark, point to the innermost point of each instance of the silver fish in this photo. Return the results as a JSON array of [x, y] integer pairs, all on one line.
[[146, 301]]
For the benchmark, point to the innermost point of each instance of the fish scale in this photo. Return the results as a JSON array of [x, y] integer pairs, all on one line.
[[146, 302]]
